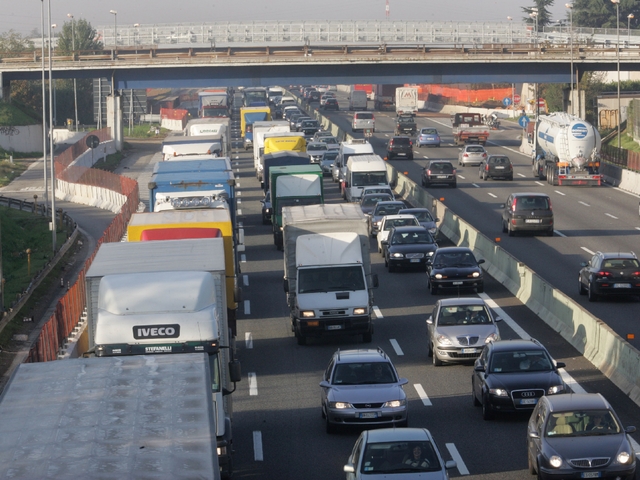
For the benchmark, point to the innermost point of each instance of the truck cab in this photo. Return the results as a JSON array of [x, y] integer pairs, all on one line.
[[363, 171]]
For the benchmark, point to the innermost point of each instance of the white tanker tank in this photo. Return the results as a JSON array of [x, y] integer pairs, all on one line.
[[568, 150]]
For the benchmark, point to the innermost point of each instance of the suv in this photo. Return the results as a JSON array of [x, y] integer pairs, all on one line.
[[496, 166], [362, 387], [512, 376], [400, 146], [439, 172], [611, 273], [527, 212]]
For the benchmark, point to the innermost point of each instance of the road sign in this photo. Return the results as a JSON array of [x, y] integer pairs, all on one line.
[[524, 121], [506, 101], [516, 98], [93, 141], [368, 133]]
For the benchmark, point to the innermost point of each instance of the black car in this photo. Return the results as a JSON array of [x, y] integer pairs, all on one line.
[[314, 96], [369, 201], [309, 128], [454, 269], [266, 208], [512, 376], [579, 435], [439, 172], [400, 147], [611, 273], [527, 212], [496, 166], [408, 247], [331, 104]]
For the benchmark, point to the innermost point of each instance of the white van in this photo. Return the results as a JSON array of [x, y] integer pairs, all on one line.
[[363, 171], [357, 100], [354, 146], [363, 121]]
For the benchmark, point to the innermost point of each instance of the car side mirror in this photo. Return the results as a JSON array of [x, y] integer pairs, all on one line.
[[403, 381], [630, 429], [449, 464], [348, 468], [560, 364], [285, 285], [481, 261], [479, 368], [499, 319], [324, 384], [235, 371], [430, 320], [533, 434], [584, 264]]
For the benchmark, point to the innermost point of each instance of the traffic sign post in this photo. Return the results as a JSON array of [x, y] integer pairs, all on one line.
[[523, 121], [506, 101], [516, 99], [368, 133]]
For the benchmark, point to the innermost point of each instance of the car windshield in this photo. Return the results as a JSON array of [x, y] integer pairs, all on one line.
[[423, 216], [404, 238], [369, 178], [454, 259], [582, 423], [387, 209], [441, 167], [429, 131], [369, 201], [520, 361], [399, 457], [330, 279], [369, 373], [532, 203], [329, 156], [463, 315], [400, 222], [475, 149], [315, 147]]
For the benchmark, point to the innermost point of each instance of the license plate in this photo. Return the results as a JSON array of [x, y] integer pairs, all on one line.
[[528, 401], [499, 168], [368, 415], [621, 285], [441, 176], [532, 220], [414, 260], [591, 475], [468, 350], [334, 327], [457, 283]]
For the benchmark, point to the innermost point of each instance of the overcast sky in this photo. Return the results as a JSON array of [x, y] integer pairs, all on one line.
[[24, 15]]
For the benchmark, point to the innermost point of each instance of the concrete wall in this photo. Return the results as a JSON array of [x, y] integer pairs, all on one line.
[[24, 139]]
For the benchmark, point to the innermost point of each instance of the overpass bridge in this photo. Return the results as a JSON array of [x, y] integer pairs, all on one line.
[[268, 53]]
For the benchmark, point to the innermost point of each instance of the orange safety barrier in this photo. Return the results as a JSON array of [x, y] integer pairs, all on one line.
[[173, 113], [464, 95]]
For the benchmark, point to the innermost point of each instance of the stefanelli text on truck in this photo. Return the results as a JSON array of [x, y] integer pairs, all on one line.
[[469, 128], [567, 150]]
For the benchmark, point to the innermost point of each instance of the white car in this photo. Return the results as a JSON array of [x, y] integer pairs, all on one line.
[[390, 221]]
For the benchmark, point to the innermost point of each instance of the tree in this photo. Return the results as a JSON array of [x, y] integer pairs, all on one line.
[[12, 44], [543, 14], [602, 13], [86, 37]]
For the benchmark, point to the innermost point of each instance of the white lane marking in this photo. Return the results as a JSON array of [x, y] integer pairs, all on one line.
[[637, 228], [237, 185], [559, 233], [238, 194], [560, 193], [253, 384], [240, 224], [423, 395], [475, 185], [492, 195], [453, 451], [505, 317], [588, 251], [243, 258], [583, 203], [238, 201], [539, 183], [378, 313], [237, 158], [239, 212], [612, 216], [521, 175], [396, 347], [248, 340], [247, 307], [257, 446], [424, 156], [245, 280], [460, 176]]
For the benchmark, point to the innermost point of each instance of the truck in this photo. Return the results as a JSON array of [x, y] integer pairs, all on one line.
[[363, 171], [406, 124], [327, 271], [384, 97], [255, 97], [293, 185], [406, 100], [357, 100], [213, 103], [110, 418], [280, 159], [181, 146], [248, 116], [567, 150], [353, 146], [212, 127], [260, 129], [469, 128]]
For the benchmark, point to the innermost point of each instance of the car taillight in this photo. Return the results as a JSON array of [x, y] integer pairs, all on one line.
[[484, 155], [635, 274], [390, 142], [410, 143], [510, 167], [603, 274], [465, 155], [486, 167], [513, 206], [550, 204]]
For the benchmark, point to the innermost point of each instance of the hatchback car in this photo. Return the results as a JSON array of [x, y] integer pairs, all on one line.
[[363, 121], [400, 147], [369, 201], [428, 137], [326, 163], [527, 212], [439, 172], [407, 453], [496, 166], [316, 150], [424, 218], [454, 269], [388, 207], [459, 328], [390, 221], [314, 96], [331, 104], [309, 128], [579, 436], [471, 155], [331, 142], [320, 134], [408, 247], [611, 273], [512, 376], [362, 387], [296, 122]]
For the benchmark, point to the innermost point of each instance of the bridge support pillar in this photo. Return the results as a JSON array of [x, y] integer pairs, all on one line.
[[5, 88], [114, 119]]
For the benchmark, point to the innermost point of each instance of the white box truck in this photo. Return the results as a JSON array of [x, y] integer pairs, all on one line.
[[363, 171], [260, 129], [327, 271], [406, 100], [106, 418]]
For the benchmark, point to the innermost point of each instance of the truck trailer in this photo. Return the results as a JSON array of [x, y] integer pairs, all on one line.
[[260, 130]]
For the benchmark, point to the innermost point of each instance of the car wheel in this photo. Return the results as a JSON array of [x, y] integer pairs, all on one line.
[[433, 289], [509, 230], [532, 469], [480, 289], [504, 226], [510, 177], [454, 185], [265, 220], [485, 176], [486, 411], [302, 340], [386, 262], [593, 296], [430, 350], [581, 289], [549, 233], [424, 184], [436, 361], [410, 158], [476, 402]]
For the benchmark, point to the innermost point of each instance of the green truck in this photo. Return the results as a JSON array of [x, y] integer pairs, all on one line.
[[293, 185]]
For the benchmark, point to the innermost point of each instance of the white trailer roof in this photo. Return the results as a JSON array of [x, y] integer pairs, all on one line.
[[301, 185], [217, 215], [114, 417], [366, 163]]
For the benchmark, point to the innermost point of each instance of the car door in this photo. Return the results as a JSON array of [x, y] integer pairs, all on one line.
[[354, 459], [477, 383], [506, 213], [535, 432], [327, 378], [432, 325]]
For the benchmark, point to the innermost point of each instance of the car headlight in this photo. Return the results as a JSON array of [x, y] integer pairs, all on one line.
[[395, 403], [307, 314], [624, 458], [397, 255], [499, 392], [443, 340], [475, 274], [555, 389], [359, 311], [492, 338], [438, 276], [555, 461], [340, 405]]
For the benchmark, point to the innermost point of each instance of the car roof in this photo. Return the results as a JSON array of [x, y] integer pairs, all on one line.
[[516, 344], [574, 401], [630, 255], [449, 302], [391, 202], [530, 194], [454, 250], [399, 216], [398, 434], [409, 228], [361, 355], [416, 210]]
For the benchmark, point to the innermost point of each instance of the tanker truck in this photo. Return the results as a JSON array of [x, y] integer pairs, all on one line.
[[567, 151]]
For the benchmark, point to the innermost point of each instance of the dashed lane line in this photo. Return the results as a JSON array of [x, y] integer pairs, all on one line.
[[248, 340], [453, 451], [377, 312], [423, 395], [396, 347], [257, 446], [253, 384]]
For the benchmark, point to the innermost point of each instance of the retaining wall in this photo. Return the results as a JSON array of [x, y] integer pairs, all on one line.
[[25, 139]]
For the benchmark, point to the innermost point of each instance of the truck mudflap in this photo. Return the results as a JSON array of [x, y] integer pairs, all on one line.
[[334, 326]]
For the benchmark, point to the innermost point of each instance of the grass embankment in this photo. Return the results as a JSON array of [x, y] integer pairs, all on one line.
[[146, 131], [626, 142]]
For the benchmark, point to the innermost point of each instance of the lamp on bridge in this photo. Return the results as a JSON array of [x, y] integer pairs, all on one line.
[[570, 7], [115, 27], [629, 17], [534, 16], [510, 29], [617, 3], [73, 47]]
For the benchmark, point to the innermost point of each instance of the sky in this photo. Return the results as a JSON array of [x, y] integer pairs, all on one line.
[[23, 16]]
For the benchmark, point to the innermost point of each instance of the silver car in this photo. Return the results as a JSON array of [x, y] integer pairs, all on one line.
[[326, 163], [458, 329], [471, 155], [425, 218], [362, 387], [316, 151]]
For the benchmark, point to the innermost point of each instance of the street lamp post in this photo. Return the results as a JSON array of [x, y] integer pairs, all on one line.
[[115, 27], [510, 29], [44, 113], [55, 96], [73, 47], [534, 16], [629, 18], [617, 3], [570, 7], [52, 174]]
